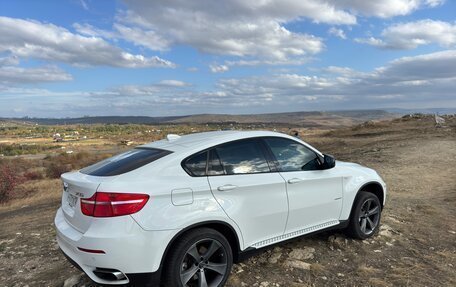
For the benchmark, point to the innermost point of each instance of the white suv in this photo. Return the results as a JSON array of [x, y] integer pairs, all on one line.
[[183, 209]]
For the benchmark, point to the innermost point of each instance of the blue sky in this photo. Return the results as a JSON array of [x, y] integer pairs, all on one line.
[[176, 57]]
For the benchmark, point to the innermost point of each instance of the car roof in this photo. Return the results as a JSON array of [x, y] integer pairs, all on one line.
[[203, 140]]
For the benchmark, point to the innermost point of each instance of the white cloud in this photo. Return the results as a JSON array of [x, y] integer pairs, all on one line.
[[218, 68], [84, 5], [341, 71], [9, 61], [236, 28], [221, 68], [384, 8], [423, 79], [139, 37], [89, 30], [17, 75], [33, 39], [413, 34], [337, 32], [173, 83], [420, 81], [434, 3], [318, 11], [438, 65], [254, 30], [371, 41]]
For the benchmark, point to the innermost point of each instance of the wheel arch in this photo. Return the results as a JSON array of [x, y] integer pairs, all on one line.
[[223, 227], [374, 187]]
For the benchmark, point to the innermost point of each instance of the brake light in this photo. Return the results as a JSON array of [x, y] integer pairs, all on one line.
[[110, 204]]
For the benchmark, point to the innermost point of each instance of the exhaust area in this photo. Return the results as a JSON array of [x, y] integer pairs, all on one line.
[[109, 274]]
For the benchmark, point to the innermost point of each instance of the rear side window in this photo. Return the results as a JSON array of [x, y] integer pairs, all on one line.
[[196, 165], [125, 162], [242, 157]]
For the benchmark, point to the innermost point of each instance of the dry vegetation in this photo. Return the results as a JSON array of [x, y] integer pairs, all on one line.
[[415, 246]]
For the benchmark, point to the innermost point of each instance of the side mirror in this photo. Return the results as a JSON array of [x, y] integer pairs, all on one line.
[[328, 162]]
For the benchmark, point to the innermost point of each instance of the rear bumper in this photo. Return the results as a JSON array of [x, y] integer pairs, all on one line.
[[135, 279], [129, 249]]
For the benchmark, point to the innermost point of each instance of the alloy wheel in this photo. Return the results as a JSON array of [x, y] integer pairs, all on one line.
[[204, 264], [369, 216]]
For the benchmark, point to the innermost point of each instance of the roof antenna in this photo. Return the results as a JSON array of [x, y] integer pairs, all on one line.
[[172, 137]]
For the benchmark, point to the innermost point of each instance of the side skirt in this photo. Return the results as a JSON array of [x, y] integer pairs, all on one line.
[[251, 251]]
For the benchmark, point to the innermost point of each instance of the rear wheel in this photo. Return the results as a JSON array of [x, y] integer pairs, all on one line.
[[365, 216], [201, 258]]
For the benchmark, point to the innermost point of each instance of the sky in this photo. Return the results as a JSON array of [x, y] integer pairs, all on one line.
[[72, 58]]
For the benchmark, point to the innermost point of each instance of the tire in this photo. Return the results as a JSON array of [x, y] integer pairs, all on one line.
[[365, 216], [190, 264]]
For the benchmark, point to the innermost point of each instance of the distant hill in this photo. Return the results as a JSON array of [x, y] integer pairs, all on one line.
[[305, 119], [439, 111], [97, 120]]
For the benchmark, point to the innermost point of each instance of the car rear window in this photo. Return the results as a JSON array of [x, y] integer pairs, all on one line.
[[125, 162]]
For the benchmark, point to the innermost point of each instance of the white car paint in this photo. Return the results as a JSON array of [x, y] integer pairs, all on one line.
[[258, 204], [261, 209], [315, 197]]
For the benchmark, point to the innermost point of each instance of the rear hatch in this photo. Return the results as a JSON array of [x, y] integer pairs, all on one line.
[[77, 185], [84, 183]]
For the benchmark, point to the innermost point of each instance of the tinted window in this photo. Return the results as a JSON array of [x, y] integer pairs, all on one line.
[[196, 165], [125, 162], [242, 157], [291, 155], [214, 165]]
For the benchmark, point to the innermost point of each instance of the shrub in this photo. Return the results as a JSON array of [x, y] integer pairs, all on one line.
[[33, 175], [19, 149], [56, 165], [55, 169], [9, 179]]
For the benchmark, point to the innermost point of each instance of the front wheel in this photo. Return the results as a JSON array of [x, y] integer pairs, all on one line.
[[365, 216], [201, 258]]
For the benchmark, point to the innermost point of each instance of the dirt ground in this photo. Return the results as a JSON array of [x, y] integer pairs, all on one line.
[[416, 245]]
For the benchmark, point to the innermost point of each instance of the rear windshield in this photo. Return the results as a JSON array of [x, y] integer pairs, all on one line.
[[125, 162]]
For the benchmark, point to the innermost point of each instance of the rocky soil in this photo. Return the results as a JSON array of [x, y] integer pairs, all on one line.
[[414, 247]]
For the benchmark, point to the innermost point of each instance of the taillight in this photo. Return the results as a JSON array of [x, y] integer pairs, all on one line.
[[109, 204]]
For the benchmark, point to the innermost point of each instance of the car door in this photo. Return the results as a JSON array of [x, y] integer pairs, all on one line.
[[251, 195], [314, 195]]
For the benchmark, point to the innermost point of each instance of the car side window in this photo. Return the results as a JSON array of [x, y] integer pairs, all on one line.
[[214, 166], [196, 164], [291, 155], [242, 157]]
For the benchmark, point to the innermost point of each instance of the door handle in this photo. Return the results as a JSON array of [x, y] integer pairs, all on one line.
[[294, 180], [226, 187]]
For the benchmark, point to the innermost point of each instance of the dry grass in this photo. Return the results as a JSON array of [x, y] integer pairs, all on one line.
[[378, 282], [39, 191], [367, 270]]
